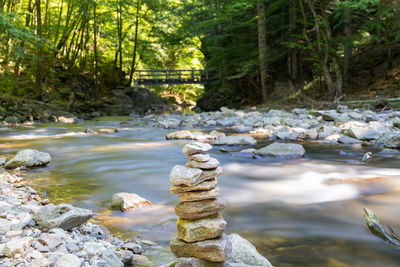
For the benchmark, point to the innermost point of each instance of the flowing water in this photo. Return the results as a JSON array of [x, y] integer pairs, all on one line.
[[303, 212]]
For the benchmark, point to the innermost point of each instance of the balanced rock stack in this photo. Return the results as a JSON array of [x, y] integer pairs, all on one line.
[[200, 228]]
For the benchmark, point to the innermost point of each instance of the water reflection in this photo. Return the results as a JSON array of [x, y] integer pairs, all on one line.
[[305, 212]]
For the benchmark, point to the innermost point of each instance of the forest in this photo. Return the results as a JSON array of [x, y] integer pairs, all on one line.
[[255, 52]]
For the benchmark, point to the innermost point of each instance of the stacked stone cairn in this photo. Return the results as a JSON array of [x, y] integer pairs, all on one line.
[[200, 228]]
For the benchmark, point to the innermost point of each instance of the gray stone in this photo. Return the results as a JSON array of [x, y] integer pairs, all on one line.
[[348, 140], [62, 216], [196, 148], [28, 158], [286, 150], [199, 195], [132, 246], [211, 164], [182, 175], [392, 142], [199, 157], [111, 258], [210, 174], [68, 260], [245, 253], [236, 140], [17, 245], [206, 185], [128, 201], [180, 135]]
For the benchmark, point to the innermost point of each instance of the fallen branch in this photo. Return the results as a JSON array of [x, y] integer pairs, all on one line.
[[385, 232]]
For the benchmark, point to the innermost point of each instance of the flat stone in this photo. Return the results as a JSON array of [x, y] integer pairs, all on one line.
[[17, 245], [199, 209], [140, 260], [215, 250], [199, 157], [199, 195], [209, 174], [132, 246], [244, 252], [392, 142], [196, 148], [182, 175], [206, 185], [211, 164], [180, 135], [286, 150], [68, 260], [349, 140], [28, 158], [235, 140], [62, 216], [128, 201], [202, 229]]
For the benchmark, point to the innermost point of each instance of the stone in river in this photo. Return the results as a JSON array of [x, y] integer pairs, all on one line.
[[215, 250], [236, 140], [199, 157], [196, 148], [211, 164], [199, 209], [62, 216], [128, 201], [206, 185], [199, 195], [202, 229], [286, 150], [182, 175], [206, 175], [28, 158], [184, 134]]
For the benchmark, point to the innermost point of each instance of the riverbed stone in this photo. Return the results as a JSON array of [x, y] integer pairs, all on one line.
[[128, 201], [17, 245], [349, 140], [392, 142], [202, 229], [286, 150], [196, 148], [215, 250], [111, 258], [206, 185], [244, 252], [235, 140], [64, 216], [182, 175], [28, 158], [200, 157], [211, 164], [199, 209], [68, 260], [134, 247], [180, 135], [199, 195]]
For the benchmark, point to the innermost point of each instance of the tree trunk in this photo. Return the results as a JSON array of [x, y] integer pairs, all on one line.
[[133, 65], [39, 67], [96, 67], [262, 48], [293, 59], [348, 49]]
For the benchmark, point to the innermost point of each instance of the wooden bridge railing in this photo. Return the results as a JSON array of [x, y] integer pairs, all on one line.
[[171, 76]]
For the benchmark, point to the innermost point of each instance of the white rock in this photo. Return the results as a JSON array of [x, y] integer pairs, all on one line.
[[68, 260], [196, 148], [111, 258], [182, 175], [128, 201], [211, 164], [236, 140], [28, 158], [286, 150], [17, 245], [180, 135]]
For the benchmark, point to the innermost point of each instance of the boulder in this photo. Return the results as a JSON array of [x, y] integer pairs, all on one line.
[[199, 195], [28, 158], [363, 133], [235, 140], [196, 148], [244, 252], [182, 175], [197, 157], [111, 258], [215, 250], [211, 164], [392, 142], [128, 201], [348, 140], [286, 150], [62, 216], [199, 209], [180, 135], [206, 185], [202, 229], [68, 260]]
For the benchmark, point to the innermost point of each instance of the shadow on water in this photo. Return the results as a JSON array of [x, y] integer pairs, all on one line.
[[305, 212]]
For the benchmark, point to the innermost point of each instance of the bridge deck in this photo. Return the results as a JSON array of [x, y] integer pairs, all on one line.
[[148, 77]]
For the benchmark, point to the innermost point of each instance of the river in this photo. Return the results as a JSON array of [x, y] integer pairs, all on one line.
[[303, 212]]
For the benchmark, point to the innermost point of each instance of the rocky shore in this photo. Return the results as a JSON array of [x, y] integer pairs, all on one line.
[[36, 233]]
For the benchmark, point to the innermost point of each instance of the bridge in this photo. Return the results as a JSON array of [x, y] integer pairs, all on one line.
[[150, 77]]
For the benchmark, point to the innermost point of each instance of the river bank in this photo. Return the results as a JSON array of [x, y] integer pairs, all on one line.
[[62, 239]]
